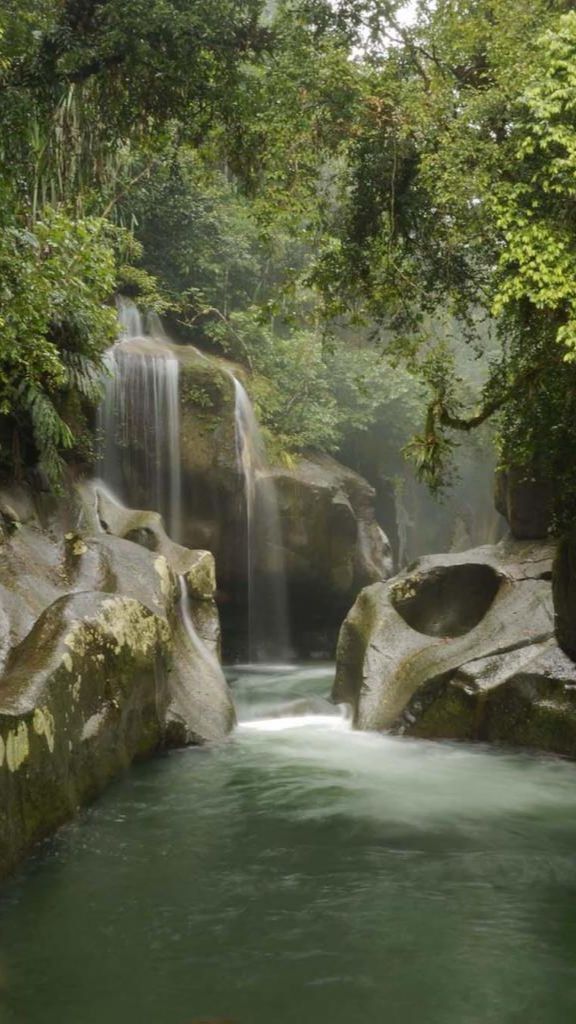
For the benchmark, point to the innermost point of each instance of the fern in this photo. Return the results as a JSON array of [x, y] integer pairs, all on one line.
[[83, 375], [51, 434]]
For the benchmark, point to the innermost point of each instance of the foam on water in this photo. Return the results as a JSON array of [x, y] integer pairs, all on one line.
[[309, 722]]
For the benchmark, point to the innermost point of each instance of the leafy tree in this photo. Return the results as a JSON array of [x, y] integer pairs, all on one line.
[[459, 197], [311, 396], [198, 235], [54, 282], [89, 88]]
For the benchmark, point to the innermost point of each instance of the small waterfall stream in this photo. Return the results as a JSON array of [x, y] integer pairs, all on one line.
[[139, 420], [268, 632]]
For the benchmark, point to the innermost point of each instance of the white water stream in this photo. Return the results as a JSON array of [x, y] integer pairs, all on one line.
[[268, 630]]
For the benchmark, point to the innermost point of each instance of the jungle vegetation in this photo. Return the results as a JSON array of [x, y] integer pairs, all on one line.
[[338, 195]]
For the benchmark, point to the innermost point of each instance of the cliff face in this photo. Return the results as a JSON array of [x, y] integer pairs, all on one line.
[[327, 545], [98, 663], [332, 545]]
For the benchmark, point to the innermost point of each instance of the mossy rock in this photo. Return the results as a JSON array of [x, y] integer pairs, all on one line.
[[93, 666], [83, 695], [523, 698]]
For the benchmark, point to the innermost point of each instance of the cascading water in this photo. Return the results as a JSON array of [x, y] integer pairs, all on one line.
[[268, 633], [139, 420], [140, 462]]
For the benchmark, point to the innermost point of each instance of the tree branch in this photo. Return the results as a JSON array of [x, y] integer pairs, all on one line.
[[468, 423]]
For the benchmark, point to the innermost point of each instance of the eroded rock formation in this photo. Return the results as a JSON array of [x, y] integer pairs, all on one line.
[[463, 647], [97, 664], [333, 545]]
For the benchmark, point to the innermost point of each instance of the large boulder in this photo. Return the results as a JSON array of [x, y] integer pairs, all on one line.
[[109, 640], [525, 499], [82, 696], [462, 646], [332, 544], [564, 590], [523, 697]]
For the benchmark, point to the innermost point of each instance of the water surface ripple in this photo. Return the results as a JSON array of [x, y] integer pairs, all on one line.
[[304, 874]]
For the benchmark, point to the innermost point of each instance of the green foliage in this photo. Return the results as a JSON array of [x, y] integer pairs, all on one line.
[[105, 106], [197, 234], [310, 395], [91, 93], [256, 170], [54, 326], [536, 210], [198, 396], [459, 196], [294, 115], [235, 283]]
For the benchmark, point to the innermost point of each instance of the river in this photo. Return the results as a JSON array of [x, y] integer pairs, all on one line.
[[304, 874]]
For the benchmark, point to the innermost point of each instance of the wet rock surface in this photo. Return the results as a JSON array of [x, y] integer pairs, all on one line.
[[332, 543], [525, 499], [98, 666], [462, 647]]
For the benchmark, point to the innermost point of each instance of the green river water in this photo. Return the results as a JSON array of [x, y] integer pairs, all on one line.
[[304, 874]]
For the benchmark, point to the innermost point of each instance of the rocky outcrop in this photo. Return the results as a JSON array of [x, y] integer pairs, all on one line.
[[564, 591], [211, 485], [525, 499], [524, 697], [330, 534], [462, 646], [107, 653], [82, 696], [196, 568], [333, 545]]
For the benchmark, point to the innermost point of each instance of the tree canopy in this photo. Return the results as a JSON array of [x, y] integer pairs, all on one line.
[[458, 196], [336, 194]]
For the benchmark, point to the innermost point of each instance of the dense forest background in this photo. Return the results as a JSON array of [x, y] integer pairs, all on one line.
[[375, 214]]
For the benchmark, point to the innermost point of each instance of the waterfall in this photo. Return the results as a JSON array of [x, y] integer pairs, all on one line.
[[199, 648], [268, 633], [139, 420], [140, 461]]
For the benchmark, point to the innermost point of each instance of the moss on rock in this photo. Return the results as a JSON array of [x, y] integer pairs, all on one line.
[[89, 657], [92, 661]]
